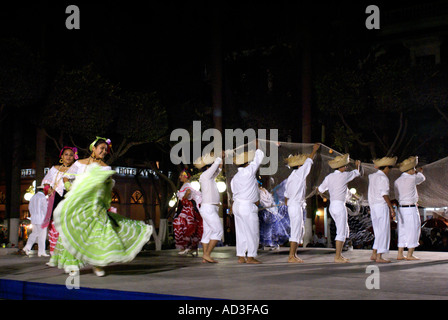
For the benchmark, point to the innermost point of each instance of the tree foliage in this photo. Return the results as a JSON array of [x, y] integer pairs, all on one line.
[[83, 105], [380, 104], [22, 77]]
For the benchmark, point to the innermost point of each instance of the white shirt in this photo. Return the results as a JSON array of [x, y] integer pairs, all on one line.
[[295, 188], [244, 183], [336, 184], [38, 207], [55, 178], [210, 193], [406, 188], [378, 187]]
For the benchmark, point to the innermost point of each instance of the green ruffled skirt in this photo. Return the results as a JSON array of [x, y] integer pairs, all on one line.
[[89, 234], [63, 259]]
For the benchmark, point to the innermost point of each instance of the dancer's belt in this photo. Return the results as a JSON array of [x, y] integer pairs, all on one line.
[[245, 201], [408, 206], [211, 204]]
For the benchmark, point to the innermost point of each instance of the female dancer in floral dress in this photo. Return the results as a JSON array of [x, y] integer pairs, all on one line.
[[55, 181], [188, 222], [90, 234]]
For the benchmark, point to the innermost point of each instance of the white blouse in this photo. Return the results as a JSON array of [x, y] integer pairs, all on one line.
[[267, 201], [194, 194], [81, 168], [55, 178]]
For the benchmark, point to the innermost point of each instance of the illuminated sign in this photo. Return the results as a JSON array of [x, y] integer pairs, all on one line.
[[31, 173], [121, 171], [145, 173]]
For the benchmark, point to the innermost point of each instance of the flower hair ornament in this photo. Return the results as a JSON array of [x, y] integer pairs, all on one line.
[[74, 149], [185, 173], [108, 142]]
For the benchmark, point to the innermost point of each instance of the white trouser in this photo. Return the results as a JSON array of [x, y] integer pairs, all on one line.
[[295, 212], [338, 212], [247, 228], [213, 229], [408, 223], [38, 234], [381, 227]]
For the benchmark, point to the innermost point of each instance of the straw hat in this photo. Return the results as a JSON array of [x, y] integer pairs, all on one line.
[[244, 157], [296, 160], [339, 161], [203, 161], [408, 164], [386, 161]]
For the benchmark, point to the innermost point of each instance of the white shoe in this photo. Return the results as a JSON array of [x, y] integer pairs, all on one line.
[[99, 271], [43, 255], [27, 251], [184, 251]]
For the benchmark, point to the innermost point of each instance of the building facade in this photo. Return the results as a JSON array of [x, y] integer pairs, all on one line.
[[133, 195]]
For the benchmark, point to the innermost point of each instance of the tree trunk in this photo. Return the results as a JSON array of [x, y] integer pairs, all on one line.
[[216, 68], [15, 195], [306, 128], [306, 92], [41, 145], [146, 197]]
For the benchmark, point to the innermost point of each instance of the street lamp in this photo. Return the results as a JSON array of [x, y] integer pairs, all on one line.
[[28, 196], [196, 185], [173, 201], [221, 186], [30, 191]]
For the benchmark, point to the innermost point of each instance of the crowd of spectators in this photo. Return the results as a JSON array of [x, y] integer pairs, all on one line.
[[434, 239]]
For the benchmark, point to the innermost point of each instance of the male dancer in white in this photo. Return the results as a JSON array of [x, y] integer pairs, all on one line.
[[38, 210], [381, 208], [213, 229], [245, 191], [408, 218], [295, 192], [336, 184]]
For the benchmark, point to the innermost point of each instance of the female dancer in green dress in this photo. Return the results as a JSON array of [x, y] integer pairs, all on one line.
[[89, 232]]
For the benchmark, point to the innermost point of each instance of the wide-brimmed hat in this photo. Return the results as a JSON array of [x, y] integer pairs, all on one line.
[[204, 160], [385, 162], [339, 161], [408, 164], [297, 160], [244, 157]]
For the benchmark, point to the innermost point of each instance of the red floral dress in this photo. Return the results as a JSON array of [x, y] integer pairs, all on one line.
[[188, 223]]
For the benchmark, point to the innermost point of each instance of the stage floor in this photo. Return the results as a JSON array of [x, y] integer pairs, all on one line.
[[166, 275]]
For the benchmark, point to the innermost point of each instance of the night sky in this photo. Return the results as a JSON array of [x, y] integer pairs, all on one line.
[[142, 44]]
